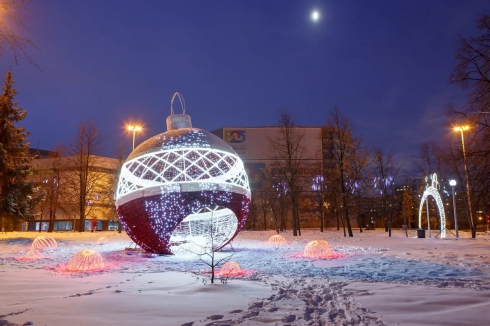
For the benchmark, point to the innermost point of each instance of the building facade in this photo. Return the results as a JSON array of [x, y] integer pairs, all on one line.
[[63, 187], [255, 146]]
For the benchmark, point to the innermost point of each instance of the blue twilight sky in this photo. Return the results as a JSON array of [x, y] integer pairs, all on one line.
[[385, 64]]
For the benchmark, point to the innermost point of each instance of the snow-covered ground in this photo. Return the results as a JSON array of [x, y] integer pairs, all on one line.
[[377, 281]]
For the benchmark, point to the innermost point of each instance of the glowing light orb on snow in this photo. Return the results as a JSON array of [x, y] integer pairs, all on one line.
[[230, 269], [318, 249], [102, 240], [85, 260], [32, 255], [174, 185], [431, 190], [277, 240], [42, 242]]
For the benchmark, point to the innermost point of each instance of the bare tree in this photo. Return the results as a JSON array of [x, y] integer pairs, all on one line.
[[53, 186], [207, 250], [358, 182], [111, 191], [473, 73], [272, 201], [84, 181], [344, 149], [407, 209], [10, 24], [386, 170], [288, 150], [320, 189]]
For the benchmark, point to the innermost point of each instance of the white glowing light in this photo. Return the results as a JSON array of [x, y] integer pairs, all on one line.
[[190, 166], [432, 191], [315, 15]]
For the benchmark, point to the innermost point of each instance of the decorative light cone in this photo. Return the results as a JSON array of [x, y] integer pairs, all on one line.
[[102, 240], [277, 240], [181, 187], [32, 255], [42, 242], [230, 269], [85, 260], [318, 249]]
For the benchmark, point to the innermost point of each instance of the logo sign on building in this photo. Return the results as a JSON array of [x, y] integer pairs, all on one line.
[[235, 136], [236, 139]]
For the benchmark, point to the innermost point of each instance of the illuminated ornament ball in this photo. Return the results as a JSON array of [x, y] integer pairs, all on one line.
[[184, 186], [42, 242], [318, 249], [230, 269], [277, 240], [85, 260]]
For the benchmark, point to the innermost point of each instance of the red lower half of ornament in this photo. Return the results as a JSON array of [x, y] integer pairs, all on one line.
[[150, 221]]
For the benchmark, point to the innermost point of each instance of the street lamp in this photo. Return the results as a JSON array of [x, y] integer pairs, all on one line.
[[462, 129], [134, 129], [452, 183]]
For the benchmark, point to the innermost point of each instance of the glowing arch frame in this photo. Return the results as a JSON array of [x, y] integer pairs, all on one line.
[[432, 191]]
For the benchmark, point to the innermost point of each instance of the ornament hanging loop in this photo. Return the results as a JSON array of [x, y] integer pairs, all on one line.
[[178, 120], [181, 100]]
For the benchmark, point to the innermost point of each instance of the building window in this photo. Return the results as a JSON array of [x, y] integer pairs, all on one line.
[[63, 226], [34, 226]]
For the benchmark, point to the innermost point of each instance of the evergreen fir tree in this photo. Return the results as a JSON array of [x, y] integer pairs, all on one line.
[[17, 195]]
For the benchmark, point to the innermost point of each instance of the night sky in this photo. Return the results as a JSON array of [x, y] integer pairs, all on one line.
[[385, 64]]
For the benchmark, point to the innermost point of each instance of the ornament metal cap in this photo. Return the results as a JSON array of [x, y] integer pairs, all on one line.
[[178, 121]]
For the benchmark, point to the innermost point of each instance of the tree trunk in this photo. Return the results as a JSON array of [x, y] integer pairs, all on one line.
[[295, 230]]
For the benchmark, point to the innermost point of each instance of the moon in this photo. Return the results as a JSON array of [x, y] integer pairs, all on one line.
[[315, 15]]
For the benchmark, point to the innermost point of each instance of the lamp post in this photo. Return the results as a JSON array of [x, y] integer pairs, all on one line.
[[462, 129], [134, 129], [452, 183]]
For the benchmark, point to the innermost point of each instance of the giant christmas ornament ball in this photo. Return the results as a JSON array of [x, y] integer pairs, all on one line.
[[182, 187]]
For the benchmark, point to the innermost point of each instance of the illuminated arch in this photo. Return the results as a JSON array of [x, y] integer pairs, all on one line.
[[432, 191]]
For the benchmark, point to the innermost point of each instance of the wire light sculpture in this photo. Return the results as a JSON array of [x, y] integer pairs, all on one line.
[[44, 242], [230, 268], [318, 249], [85, 260], [431, 190], [206, 230], [102, 240], [168, 181], [32, 255], [277, 240]]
